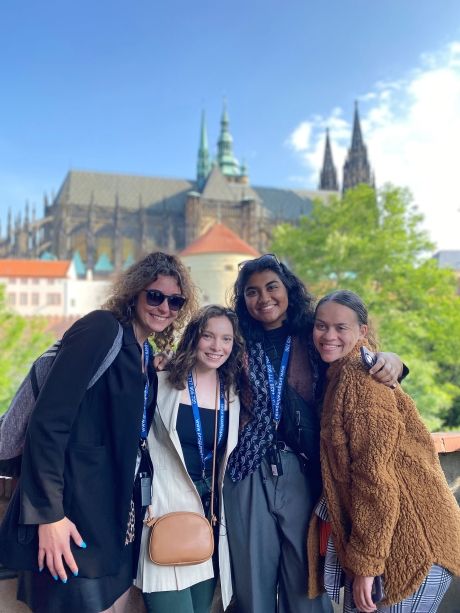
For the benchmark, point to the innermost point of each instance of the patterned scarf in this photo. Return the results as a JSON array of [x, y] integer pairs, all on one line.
[[258, 434]]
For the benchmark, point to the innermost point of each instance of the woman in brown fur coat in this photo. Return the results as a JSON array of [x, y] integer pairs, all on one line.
[[395, 524]]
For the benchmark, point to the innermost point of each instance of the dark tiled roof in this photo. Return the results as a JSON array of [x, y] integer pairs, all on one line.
[[448, 258], [103, 189], [80, 187], [288, 204]]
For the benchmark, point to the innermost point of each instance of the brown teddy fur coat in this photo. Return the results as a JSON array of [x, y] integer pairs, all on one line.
[[391, 510]]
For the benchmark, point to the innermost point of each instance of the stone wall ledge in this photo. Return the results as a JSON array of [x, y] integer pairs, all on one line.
[[446, 442]]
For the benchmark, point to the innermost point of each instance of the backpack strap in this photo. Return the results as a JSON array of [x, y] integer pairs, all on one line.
[[109, 358], [34, 381]]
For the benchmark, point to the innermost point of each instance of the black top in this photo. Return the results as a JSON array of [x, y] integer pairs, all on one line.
[[299, 424], [187, 435]]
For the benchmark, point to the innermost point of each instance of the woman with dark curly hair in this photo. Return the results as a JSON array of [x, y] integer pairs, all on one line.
[[200, 381], [75, 523], [273, 478]]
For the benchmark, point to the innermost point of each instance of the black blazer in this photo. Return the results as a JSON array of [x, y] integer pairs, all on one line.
[[81, 447]]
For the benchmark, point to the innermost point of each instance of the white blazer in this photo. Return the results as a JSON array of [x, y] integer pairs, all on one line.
[[174, 490]]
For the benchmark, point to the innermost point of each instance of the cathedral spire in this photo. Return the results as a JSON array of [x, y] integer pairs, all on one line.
[[328, 176], [356, 169], [204, 165], [357, 138], [225, 158]]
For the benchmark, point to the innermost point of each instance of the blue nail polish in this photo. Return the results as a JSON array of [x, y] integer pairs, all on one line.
[[75, 573], [40, 569], [83, 545], [64, 580], [55, 577]]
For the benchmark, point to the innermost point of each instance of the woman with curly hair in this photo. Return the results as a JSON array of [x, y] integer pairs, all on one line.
[[75, 523], [200, 380], [273, 478]]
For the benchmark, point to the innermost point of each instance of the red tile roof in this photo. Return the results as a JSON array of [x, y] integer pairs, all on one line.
[[219, 239], [34, 268]]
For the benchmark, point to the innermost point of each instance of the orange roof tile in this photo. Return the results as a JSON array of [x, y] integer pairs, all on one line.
[[219, 239], [34, 268]]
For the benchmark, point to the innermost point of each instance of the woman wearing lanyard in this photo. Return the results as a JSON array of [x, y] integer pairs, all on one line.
[[201, 375], [75, 522], [273, 478]]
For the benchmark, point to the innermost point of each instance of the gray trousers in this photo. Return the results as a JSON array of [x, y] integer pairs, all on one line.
[[267, 521]]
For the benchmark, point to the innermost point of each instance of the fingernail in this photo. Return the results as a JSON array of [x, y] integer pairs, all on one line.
[[40, 569], [55, 577], [75, 573], [64, 580], [83, 545]]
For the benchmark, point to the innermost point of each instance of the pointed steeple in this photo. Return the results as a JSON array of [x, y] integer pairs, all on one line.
[[203, 167], [9, 226], [356, 169], [225, 158], [357, 138], [328, 176]]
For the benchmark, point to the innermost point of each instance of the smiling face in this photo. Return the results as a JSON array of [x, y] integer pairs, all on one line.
[[150, 319], [266, 299], [336, 331], [215, 343]]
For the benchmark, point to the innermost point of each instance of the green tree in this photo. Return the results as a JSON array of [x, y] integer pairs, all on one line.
[[21, 341], [372, 243]]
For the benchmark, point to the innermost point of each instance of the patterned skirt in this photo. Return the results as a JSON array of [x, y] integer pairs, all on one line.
[[426, 599]]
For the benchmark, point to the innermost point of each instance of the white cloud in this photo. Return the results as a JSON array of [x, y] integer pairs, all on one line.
[[412, 130]]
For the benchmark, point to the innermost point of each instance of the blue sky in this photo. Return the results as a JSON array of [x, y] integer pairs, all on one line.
[[119, 87]]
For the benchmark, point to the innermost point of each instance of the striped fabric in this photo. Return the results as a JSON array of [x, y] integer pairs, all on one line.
[[426, 599]]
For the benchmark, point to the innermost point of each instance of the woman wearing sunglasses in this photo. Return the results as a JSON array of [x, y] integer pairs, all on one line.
[[199, 382], [75, 523], [273, 478]]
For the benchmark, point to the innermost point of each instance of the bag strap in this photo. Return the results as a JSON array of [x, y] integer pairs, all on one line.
[[214, 453], [109, 358]]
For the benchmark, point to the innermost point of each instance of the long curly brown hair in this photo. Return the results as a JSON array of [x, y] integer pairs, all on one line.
[[185, 357], [131, 282]]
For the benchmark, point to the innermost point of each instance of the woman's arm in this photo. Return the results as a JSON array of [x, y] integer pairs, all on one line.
[[372, 423]]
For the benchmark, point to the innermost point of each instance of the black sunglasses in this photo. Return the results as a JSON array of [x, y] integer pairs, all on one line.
[[266, 256], [154, 298]]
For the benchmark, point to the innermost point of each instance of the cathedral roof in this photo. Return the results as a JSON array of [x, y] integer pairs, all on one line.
[[34, 268], [82, 187], [131, 191], [219, 239]]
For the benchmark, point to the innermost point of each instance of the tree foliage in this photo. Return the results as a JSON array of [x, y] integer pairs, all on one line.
[[21, 341], [372, 243]]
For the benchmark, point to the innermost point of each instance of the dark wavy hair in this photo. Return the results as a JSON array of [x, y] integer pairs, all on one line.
[[354, 302], [131, 282], [300, 303], [185, 356]]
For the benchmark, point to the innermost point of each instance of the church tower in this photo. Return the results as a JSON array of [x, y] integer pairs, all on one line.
[[203, 165], [228, 164], [328, 176], [356, 169]]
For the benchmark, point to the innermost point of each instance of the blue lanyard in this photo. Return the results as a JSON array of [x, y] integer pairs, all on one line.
[[144, 431], [197, 421], [276, 388]]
